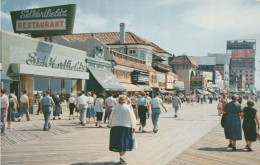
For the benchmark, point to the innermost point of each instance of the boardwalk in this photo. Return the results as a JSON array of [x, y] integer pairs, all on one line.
[[69, 143]]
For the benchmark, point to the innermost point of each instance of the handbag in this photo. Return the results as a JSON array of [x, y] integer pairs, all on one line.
[[134, 146], [258, 135], [223, 119]]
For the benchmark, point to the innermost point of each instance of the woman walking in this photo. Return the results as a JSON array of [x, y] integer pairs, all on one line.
[[249, 124], [232, 126], [72, 104], [57, 102], [99, 108], [142, 106], [122, 122], [224, 101], [90, 111]]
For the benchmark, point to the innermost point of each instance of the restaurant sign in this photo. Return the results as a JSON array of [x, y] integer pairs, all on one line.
[[49, 21]]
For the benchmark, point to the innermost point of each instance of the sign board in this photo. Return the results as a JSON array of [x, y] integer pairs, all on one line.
[[140, 77], [241, 44], [48, 21], [207, 75], [179, 84], [153, 80], [242, 53], [169, 82]]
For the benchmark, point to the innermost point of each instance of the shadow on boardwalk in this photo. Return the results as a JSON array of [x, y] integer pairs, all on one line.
[[97, 163], [220, 149]]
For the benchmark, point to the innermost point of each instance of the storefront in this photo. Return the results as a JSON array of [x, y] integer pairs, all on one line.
[[140, 79], [179, 87], [37, 66]]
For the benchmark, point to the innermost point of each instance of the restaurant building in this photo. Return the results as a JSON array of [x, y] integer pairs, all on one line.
[[37, 66]]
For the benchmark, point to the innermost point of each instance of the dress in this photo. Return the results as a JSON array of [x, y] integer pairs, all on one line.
[[232, 125], [249, 124]]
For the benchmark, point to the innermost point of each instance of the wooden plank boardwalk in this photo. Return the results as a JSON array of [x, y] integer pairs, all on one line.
[[69, 143]]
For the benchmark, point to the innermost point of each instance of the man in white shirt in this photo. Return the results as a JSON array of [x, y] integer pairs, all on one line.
[[149, 105], [4, 108], [110, 102], [83, 105], [156, 104], [24, 108], [13, 104]]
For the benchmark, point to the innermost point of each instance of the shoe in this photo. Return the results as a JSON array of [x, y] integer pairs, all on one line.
[[29, 120], [37, 114], [230, 146], [96, 124], [122, 159], [156, 131], [108, 126], [69, 119], [54, 118], [249, 149], [49, 126], [80, 122], [100, 126], [143, 131], [59, 118], [9, 127], [83, 124], [140, 128], [2, 134], [19, 120], [234, 148], [246, 146]]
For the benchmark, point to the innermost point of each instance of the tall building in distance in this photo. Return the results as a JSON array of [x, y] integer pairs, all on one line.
[[242, 61]]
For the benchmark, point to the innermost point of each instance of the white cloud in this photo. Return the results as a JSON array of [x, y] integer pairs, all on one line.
[[225, 16], [33, 5], [5, 15], [89, 22]]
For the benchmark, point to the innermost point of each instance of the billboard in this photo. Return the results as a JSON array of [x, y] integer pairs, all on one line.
[[242, 53], [49, 21], [169, 82], [208, 75], [241, 44], [153, 80]]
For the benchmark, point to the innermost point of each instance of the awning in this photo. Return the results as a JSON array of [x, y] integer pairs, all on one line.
[[48, 72], [5, 78], [211, 90], [131, 87], [107, 80], [145, 87], [201, 91]]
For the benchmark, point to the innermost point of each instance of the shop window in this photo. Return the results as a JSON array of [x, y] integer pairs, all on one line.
[[27, 84], [142, 54], [76, 87]]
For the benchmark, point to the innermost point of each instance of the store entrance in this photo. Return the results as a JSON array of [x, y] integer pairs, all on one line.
[[15, 85]]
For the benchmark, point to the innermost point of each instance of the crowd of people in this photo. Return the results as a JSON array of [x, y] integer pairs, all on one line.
[[121, 112]]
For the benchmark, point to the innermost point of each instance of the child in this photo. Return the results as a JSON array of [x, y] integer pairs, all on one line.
[[219, 108]]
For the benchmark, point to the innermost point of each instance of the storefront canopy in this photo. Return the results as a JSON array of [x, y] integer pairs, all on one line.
[[107, 80], [201, 91], [131, 87], [5, 78], [145, 87], [211, 90]]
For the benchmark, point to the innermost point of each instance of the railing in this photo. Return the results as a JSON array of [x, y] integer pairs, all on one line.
[[127, 57], [161, 65]]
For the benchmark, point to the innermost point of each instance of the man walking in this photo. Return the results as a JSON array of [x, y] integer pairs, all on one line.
[[24, 107], [148, 106], [83, 105], [156, 104], [4, 109], [13, 104], [176, 103], [39, 104], [45, 106], [110, 102]]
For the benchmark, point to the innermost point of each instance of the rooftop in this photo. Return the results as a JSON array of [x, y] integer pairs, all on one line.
[[183, 60], [204, 60]]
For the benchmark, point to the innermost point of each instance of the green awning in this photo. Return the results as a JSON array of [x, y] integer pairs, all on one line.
[[200, 91]]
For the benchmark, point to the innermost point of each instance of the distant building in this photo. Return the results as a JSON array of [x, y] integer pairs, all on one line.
[[222, 65], [241, 84], [185, 67]]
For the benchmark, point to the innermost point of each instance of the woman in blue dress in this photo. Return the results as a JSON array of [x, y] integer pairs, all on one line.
[[232, 126], [57, 111]]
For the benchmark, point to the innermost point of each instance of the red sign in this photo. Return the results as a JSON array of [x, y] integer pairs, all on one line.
[[243, 53]]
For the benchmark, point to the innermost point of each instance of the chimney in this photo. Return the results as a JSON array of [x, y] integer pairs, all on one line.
[[122, 33]]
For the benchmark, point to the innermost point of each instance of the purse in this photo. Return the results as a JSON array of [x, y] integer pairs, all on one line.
[[134, 146], [258, 135], [223, 119]]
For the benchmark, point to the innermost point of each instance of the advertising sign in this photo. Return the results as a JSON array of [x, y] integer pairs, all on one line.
[[49, 21], [242, 53], [241, 44], [179, 84], [169, 82], [153, 80], [161, 79], [207, 75], [140, 77]]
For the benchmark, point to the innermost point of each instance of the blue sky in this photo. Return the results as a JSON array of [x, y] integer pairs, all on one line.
[[194, 27]]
